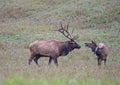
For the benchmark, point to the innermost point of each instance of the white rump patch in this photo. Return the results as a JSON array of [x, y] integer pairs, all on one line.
[[100, 45]]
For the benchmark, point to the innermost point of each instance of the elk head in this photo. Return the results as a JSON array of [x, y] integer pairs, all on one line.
[[91, 45]]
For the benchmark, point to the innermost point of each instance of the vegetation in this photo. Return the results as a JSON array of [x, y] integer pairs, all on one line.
[[24, 21]]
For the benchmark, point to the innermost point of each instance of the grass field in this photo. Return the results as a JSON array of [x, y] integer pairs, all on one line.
[[24, 21]]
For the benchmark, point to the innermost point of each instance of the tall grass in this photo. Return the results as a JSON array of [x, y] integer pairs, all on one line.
[[24, 21]]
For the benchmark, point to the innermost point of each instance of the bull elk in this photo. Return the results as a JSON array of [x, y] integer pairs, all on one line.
[[53, 48], [100, 50]]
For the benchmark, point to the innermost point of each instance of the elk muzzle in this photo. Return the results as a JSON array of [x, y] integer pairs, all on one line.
[[86, 44], [77, 46]]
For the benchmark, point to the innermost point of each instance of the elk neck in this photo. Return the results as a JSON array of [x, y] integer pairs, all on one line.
[[94, 49], [97, 51], [64, 49]]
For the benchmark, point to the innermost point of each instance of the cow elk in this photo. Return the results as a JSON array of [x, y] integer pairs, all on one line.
[[53, 48], [100, 50]]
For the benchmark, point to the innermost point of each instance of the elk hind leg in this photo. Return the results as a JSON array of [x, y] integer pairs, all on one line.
[[50, 60], [105, 61], [30, 59], [55, 61]]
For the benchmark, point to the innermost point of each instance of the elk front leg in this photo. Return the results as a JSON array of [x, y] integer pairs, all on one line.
[[99, 61], [50, 60]]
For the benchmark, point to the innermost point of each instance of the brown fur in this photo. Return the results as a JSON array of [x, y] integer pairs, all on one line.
[[52, 49], [100, 51]]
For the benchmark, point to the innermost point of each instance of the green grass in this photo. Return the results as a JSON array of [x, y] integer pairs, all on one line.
[[24, 21], [57, 80]]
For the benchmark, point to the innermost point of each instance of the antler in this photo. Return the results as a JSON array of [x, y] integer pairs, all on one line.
[[65, 32]]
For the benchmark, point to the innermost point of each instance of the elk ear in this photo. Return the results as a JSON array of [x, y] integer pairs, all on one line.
[[93, 42]]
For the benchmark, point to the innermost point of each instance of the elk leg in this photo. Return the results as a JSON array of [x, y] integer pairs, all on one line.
[[36, 59], [105, 61], [55, 61], [30, 59], [99, 61], [50, 60]]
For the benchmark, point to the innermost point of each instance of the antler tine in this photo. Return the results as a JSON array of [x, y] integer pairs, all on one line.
[[69, 34], [61, 27], [67, 26], [72, 31], [64, 31]]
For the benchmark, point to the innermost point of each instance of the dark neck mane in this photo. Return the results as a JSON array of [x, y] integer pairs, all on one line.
[[64, 49], [94, 49]]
